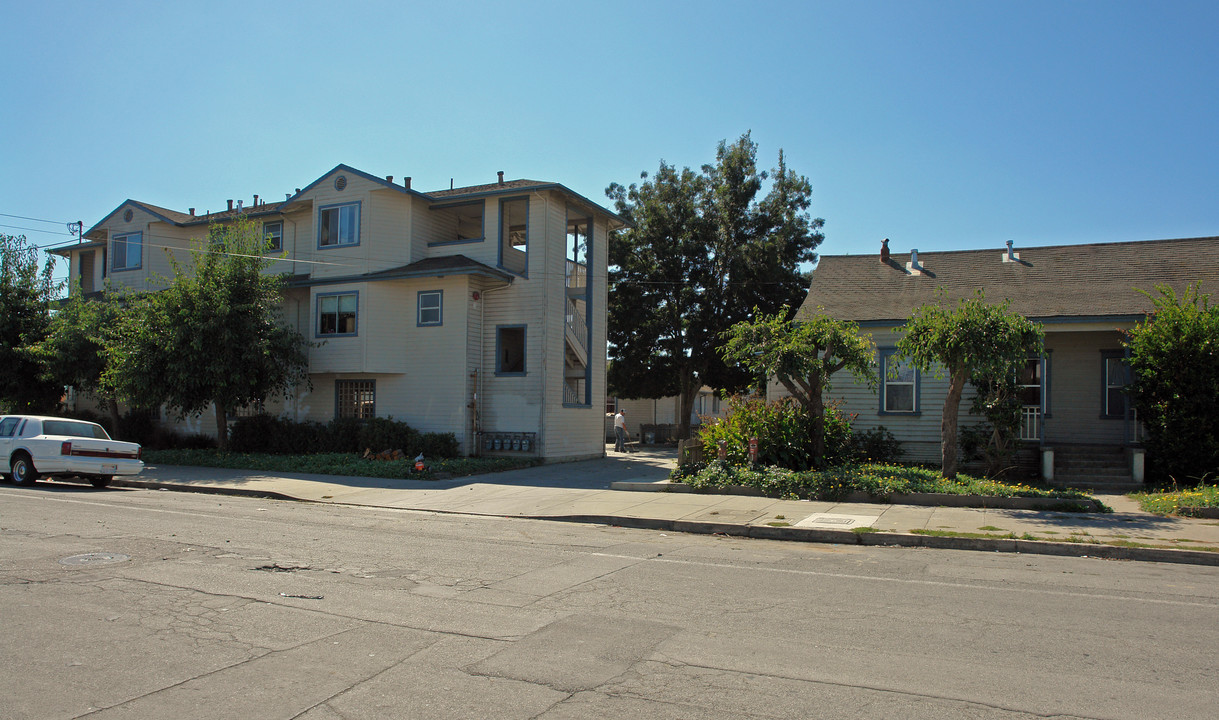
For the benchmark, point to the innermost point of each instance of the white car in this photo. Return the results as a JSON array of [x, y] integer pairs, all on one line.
[[32, 446]]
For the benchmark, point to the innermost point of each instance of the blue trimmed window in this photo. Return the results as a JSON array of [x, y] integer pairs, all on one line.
[[431, 307], [355, 399], [273, 234], [338, 225], [510, 350], [514, 235], [127, 252], [899, 385], [1115, 370], [337, 314]]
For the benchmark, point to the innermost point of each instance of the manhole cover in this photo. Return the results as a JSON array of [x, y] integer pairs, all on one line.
[[94, 559]]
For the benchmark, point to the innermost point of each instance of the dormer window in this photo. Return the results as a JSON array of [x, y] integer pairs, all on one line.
[[339, 225]]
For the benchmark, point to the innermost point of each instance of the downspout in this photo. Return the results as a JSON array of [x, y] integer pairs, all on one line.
[[482, 358]]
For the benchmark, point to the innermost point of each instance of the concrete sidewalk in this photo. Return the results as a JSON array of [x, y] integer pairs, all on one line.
[[581, 492]]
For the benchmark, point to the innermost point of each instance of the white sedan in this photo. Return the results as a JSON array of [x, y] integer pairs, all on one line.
[[33, 445]]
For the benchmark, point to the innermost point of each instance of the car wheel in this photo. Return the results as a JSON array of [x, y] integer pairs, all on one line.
[[99, 481], [23, 469]]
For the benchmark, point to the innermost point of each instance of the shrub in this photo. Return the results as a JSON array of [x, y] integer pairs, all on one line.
[[141, 426], [784, 432], [875, 445], [1174, 354], [342, 435], [256, 433], [436, 445], [379, 434]]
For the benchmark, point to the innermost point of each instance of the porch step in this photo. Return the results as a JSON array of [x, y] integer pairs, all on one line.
[[1094, 468]]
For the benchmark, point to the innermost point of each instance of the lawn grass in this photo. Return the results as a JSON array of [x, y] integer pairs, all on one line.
[[1179, 502], [878, 480], [349, 464]]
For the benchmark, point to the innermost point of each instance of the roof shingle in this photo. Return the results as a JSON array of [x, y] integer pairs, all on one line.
[[1063, 281]]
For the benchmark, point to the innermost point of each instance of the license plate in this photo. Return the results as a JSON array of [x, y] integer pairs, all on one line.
[[110, 468]]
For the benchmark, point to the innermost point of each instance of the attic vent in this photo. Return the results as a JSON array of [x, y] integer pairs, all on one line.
[[340, 182], [128, 215]]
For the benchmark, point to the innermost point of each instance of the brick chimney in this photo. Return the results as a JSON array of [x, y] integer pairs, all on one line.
[[884, 250], [501, 177]]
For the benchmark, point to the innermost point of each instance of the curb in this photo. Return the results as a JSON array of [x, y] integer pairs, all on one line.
[[923, 499], [887, 539], [766, 532]]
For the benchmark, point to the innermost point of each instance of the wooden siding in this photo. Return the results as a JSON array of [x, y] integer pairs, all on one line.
[[1077, 385]]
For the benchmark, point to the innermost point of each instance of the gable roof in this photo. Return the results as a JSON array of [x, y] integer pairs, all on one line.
[[1051, 284]]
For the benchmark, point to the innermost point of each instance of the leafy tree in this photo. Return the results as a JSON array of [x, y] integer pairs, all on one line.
[[214, 336], [703, 250], [27, 291], [803, 356], [973, 339], [73, 352], [1174, 358]]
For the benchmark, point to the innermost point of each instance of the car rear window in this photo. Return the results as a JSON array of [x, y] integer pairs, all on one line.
[[71, 428]]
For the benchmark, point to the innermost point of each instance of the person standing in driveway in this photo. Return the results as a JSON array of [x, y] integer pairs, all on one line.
[[620, 431]]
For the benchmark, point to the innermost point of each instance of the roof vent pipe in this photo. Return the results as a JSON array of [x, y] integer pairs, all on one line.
[[501, 177], [1010, 255], [239, 207], [389, 179], [255, 201], [884, 250], [407, 182], [914, 257], [192, 212], [230, 205], [913, 267]]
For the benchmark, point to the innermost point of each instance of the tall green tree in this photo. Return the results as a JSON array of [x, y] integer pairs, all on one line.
[[214, 337], [803, 356], [1174, 358], [974, 338], [704, 248], [73, 352], [27, 291]]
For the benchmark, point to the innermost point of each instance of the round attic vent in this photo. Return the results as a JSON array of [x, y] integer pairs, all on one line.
[[340, 182], [127, 215]]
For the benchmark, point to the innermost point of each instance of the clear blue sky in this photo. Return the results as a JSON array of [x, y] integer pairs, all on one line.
[[941, 125]]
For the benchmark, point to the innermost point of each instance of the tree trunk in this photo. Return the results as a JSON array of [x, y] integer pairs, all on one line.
[[112, 406], [948, 423], [689, 391], [817, 409], [222, 428]]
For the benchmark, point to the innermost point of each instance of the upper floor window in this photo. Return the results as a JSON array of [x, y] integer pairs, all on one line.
[[273, 233], [469, 222], [127, 251], [336, 313], [514, 234], [430, 306], [339, 225], [899, 385]]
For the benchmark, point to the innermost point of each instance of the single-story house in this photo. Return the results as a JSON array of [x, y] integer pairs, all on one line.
[[1085, 296]]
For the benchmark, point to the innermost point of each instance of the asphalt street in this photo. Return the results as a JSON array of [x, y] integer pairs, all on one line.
[[152, 604]]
